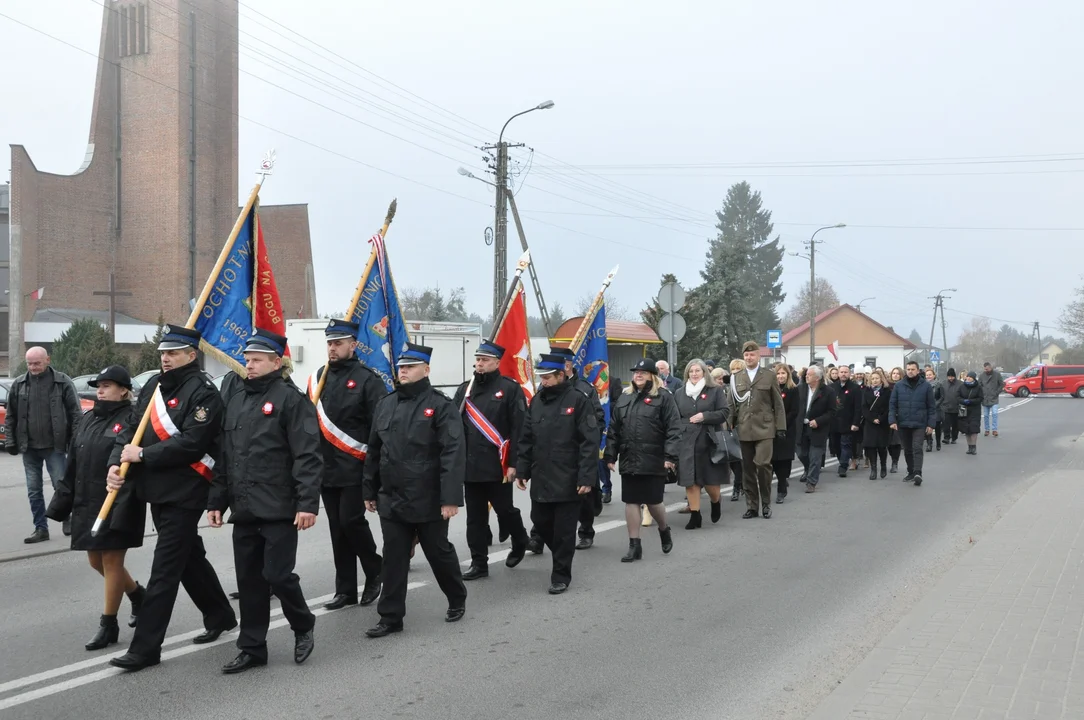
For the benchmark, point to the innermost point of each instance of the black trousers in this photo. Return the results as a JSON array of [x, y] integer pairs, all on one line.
[[782, 469], [398, 542], [872, 453], [556, 525], [179, 559], [950, 426], [478, 496], [351, 538], [591, 505], [914, 445], [264, 555]]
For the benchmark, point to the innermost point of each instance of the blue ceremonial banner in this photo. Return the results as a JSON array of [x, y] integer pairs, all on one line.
[[593, 362], [382, 334], [225, 320]]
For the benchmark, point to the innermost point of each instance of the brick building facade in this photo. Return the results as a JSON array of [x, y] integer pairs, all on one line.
[[156, 195]]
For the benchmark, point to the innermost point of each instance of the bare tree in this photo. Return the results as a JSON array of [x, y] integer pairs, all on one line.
[[615, 309], [826, 298], [1072, 318]]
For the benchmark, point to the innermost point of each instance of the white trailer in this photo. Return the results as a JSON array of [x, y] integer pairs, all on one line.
[[453, 348]]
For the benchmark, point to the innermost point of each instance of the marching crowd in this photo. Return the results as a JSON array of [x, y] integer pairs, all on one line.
[[261, 454]]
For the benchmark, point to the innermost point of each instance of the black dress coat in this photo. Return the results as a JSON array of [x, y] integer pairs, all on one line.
[[644, 432], [694, 457], [783, 448], [822, 410], [81, 491], [971, 423], [875, 407]]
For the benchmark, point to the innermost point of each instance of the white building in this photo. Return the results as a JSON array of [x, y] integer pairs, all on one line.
[[861, 341]]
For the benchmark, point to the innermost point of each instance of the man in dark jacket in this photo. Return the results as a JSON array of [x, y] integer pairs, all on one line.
[[414, 478], [42, 411], [848, 417], [950, 407], [492, 421], [991, 383], [816, 412], [268, 475], [345, 412], [172, 469], [592, 501], [558, 455], [671, 383], [913, 411]]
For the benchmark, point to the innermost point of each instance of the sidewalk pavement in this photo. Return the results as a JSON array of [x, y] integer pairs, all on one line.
[[1000, 634], [16, 522]]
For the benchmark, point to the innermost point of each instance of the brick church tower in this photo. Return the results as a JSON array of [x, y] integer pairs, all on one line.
[[156, 195]]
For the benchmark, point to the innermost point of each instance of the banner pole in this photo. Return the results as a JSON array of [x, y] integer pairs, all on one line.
[[266, 168]]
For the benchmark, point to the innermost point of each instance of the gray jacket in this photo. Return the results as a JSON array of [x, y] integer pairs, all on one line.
[[64, 408], [991, 385]]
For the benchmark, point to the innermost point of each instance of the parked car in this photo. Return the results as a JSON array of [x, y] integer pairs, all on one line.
[[1044, 379], [5, 385]]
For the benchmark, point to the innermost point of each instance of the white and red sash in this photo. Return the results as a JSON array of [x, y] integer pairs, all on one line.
[[165, 429], [488, 430], [332, 432]]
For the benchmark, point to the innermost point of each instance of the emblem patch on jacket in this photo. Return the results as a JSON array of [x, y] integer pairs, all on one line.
[[268, 408], [499, 394], [200, 415], [569, 411], [704, 396], [172, 402], [647, 401], [117, 428], [429, 412], [351, 384]]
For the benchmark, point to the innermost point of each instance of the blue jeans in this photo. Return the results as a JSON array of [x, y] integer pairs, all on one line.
[[604, 477], [55, 461], [989, 417]]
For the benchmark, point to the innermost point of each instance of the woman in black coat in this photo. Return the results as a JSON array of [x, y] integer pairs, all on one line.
[[895, 445], [971, 411], [703, 409], [81, 492], [875, 429], [644, 435], [783, 448]]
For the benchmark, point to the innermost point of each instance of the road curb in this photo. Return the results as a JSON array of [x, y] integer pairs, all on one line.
[[28, 554]]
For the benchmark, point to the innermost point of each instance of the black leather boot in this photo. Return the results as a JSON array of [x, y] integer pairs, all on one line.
[[667, 540], [695, 520], [136, 597], [872, 469], [716, 511], [108, 633], [636, 551]]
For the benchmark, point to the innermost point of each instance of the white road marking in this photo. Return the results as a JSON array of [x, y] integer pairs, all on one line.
[[104, 659]]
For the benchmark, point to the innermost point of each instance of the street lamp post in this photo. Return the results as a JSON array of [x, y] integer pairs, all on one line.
[[858, 307], [500, 245], [813, 290]]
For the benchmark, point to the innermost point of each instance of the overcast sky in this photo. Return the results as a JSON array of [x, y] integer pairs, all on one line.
[[643, 93]]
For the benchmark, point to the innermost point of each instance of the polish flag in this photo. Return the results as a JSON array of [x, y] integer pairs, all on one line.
[[512, 335], [834, 349], [37, 294]]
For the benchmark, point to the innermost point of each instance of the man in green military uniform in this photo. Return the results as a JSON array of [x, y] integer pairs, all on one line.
[[760, 419]]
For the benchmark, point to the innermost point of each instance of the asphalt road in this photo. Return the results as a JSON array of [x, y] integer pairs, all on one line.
[[747, 618]]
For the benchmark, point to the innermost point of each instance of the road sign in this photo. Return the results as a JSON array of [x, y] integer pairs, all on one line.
[[935, 356], [775, 339], [671, 297], [672, 328]]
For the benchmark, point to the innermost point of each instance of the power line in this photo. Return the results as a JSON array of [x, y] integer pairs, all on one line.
[[912, 162]]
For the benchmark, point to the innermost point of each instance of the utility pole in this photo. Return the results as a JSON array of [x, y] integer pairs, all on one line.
[[1035, 333], [813, 290], [944, 332], [500, 243], [938, 305]]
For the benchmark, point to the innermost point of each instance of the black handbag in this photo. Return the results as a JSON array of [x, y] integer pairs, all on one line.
[[727, 449]]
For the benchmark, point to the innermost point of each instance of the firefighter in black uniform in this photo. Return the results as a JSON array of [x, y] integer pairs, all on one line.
[[345, 412], [268, 475], [172, 471], [414, 478], [558, 455], [492, 422], [592, 502]]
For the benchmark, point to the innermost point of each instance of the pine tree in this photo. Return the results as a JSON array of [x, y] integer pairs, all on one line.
[[85, 348], [745, 223], [149, 357]]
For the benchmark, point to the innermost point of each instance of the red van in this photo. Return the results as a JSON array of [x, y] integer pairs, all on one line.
[[1047, 379]]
